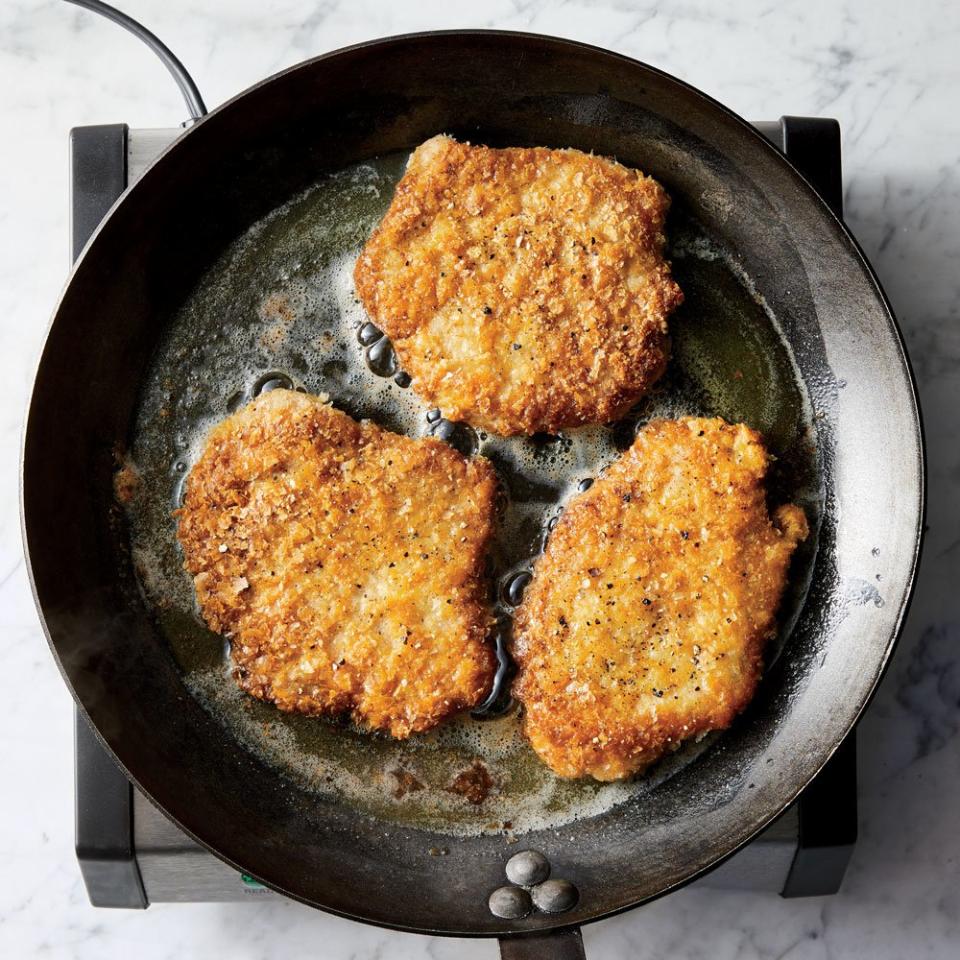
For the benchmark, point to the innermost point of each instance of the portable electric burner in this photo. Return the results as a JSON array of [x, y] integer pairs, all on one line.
[[131, 855], [180, 239]]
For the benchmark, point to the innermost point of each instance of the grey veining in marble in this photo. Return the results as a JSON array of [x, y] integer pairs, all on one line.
[[889, 71]]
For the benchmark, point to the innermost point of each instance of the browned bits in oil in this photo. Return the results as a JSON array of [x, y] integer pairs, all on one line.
[[406, 783], [126, 482], [473, 784]]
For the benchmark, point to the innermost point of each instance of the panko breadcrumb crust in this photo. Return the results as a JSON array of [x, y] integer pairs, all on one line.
[[645, 622], [344, 563], [524, 289]]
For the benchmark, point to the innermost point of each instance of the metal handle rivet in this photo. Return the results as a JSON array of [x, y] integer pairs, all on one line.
[[527, 868], [555, 896], [511, 903]]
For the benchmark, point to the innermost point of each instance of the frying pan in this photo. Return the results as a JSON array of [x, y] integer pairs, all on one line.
[[247, 159]]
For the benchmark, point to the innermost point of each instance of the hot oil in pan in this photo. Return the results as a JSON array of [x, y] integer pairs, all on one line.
[[278, 309]]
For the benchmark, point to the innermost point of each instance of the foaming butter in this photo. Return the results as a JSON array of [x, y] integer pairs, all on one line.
[[279, 308]]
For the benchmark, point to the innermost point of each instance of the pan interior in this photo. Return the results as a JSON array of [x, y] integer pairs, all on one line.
[[278, 308]]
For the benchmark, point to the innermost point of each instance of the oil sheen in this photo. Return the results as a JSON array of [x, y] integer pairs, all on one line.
[[279, 309]]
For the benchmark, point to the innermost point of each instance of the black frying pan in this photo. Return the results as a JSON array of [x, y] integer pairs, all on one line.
[[863, 450]]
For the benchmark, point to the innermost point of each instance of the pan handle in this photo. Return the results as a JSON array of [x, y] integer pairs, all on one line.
[[557, 945]]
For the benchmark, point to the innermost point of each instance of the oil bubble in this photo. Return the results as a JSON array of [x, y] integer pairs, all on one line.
[[460, 436], [272, 381], [369, 334], [235, 401], [513, 589], [381, 358]]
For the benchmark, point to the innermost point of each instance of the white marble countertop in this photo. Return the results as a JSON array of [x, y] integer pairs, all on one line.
[[889, 71]]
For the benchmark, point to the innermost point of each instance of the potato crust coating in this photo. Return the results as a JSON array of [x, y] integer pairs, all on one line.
[[648, 612], [344, 563], [524, 290]]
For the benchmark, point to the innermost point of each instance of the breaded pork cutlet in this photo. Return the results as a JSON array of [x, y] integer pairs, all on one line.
[[344, 563], [648, 612], [524, 290]]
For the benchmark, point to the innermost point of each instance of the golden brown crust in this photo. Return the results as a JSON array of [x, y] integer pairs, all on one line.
[[648, 612], [523, 289], [345, 563]]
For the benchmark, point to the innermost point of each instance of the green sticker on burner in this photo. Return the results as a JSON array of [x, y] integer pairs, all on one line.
[[250, 882]]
